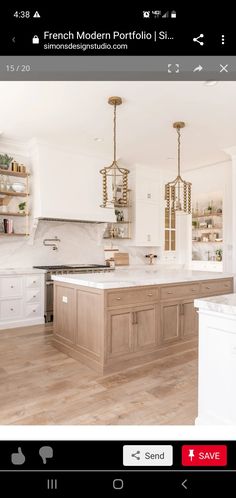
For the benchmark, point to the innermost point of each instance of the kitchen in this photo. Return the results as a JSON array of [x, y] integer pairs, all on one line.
[[134, 360]]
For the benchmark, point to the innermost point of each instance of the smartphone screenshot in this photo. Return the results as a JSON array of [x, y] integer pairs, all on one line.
[[117, 249]]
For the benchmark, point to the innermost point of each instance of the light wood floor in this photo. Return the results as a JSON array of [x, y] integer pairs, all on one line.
[[40, 385]]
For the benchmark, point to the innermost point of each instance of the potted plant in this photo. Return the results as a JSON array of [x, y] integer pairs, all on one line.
[[219, 253], [5, 161], [194, 224], [22, 207]]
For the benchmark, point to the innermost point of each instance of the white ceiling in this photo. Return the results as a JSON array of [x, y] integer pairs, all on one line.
[[75, 113]]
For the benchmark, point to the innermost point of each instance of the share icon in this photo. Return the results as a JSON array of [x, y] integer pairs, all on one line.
[[197, 39]]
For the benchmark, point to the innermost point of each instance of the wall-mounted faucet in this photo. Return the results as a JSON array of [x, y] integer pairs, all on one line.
[[151, 256], [54, 246]]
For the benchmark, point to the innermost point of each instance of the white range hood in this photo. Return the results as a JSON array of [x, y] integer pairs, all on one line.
[[67, 186]]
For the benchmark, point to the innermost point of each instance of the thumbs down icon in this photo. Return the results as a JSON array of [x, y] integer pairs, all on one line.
[[45, 453]]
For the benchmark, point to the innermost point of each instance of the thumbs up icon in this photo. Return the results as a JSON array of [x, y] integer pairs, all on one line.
[[18, 458]]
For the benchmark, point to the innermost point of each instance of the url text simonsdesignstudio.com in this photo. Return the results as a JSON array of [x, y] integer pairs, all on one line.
[[85, 46]]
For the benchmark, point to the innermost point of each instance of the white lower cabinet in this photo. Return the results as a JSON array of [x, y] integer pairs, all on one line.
[[21, 300], [33, 310], [11, 287], [11, 309]]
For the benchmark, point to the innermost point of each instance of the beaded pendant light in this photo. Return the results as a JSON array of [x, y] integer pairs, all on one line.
[[178, 193], [114, 177]]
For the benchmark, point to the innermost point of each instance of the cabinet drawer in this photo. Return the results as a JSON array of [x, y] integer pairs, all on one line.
[[179, 291], [132, 297], [11, 309], [33, 281], [219, 286], [33, 310], [33, 295], [11, 287]]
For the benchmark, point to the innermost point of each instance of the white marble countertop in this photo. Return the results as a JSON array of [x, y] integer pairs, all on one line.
[[20, 271], [132, 278], [220, 304]]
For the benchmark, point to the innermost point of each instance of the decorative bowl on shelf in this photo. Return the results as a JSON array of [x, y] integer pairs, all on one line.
[[18, 187]]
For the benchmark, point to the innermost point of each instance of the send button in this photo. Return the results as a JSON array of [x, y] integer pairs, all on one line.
[[148, 455]]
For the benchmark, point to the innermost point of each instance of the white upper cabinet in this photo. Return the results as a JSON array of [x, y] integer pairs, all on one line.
[[147, 189], [147, 226], [67, 185], [146, 186]]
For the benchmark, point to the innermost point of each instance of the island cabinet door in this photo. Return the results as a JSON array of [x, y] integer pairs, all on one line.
[[146, 330], [64, 313], [119, 333], [170, 322], [189, 317]]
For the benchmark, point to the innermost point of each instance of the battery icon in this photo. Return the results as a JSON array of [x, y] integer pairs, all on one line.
[[173, 14]]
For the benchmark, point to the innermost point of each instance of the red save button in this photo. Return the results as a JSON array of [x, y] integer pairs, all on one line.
[[204, 455]]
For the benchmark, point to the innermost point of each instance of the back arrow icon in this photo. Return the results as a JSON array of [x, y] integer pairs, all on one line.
[[183, 484]]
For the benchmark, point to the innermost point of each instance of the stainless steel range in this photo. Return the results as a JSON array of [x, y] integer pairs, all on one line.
[[59, 270]]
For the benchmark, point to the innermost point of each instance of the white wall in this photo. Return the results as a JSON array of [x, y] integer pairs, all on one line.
[[80, 243]]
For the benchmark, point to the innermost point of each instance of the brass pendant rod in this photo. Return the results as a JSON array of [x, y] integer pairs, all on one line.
[[178, 132], [114, 132], [114, 144]]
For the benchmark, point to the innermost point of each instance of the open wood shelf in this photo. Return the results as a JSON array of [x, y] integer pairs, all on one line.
[[13, 194], [206, 229], [117, 238], [21, 215], [207, 242], [206, 215], [8, 172], [14, 234]]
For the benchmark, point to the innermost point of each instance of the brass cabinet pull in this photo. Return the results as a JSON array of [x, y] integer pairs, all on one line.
[[208, 288], [118, 298], [193, 290], [12, 309], [135, 318], [182, 309], [150, 294], [12, 286], [169, 292]]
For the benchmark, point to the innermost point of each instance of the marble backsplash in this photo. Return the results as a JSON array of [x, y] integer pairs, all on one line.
[[79, 243]]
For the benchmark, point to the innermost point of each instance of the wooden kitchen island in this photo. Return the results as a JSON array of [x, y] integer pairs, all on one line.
[[116, 320]]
